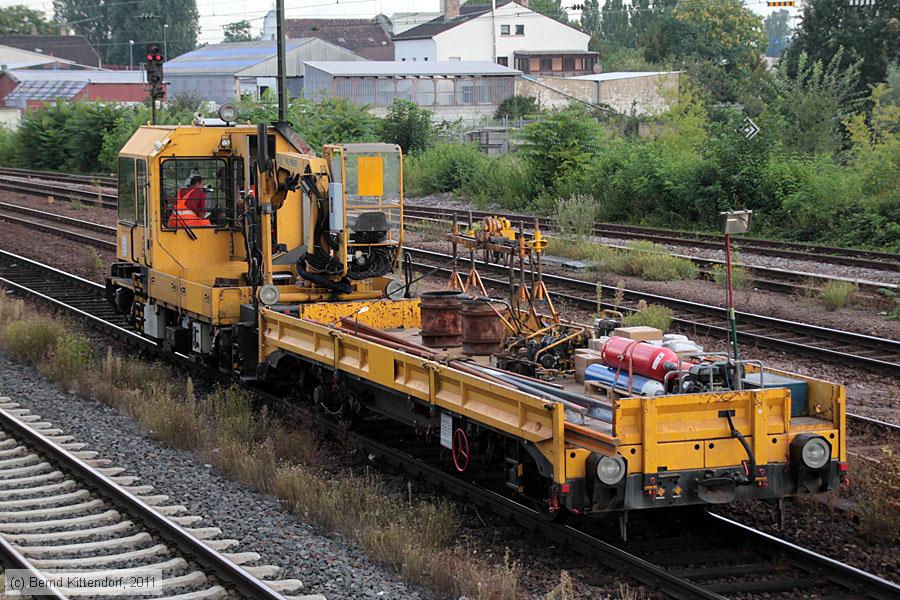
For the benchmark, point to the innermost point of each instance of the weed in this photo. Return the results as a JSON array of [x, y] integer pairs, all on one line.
[[565, 590], [740, 279], [91, 260], [893, 315], [619, 296], [879, 512], [76, 205], [575, 217], [431, 229], [650, 315], [836, 293]]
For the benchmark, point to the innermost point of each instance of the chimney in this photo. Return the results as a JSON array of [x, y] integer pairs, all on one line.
[[450, 9]]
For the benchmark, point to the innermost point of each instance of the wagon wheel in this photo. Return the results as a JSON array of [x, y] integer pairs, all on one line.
[[460, 450]]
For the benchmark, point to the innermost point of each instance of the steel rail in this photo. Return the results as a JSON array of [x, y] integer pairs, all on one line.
[[769, 278], [51, 216], [892, 427], [840, 573], [630, 564], [828, 254], [66, 233], [776, 326], [13, 559], [60, 190], [105, 180], [146, 514]]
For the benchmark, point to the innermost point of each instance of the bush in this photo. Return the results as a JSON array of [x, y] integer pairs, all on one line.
[[443, 168], [835, 294], [652, 262], [740, 278], [575, 217], [408, 126], [650, 315], [517, 107]]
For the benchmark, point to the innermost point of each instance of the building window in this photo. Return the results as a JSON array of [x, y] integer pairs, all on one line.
[[385, 92], [444, 88], [503, 60], [589, 63], [557, 64], [546, 64], [504, 30], [425, 59], [465, 89], [522, 64], [569, 63], [520, 30], [482, 90], [403, 59], [425, 92]]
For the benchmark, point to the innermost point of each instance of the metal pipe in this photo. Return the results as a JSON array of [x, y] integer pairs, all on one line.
[[282, 77]]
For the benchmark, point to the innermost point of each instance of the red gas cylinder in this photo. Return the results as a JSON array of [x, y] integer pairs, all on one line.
[[645, 359]]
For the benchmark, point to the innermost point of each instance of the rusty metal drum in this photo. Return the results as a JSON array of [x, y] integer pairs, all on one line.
[[483, 332], [441, 318]]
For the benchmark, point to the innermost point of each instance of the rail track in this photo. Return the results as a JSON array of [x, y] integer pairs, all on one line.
[[766, 278], [876, 354], [885, 261], [714, 560], [60, 189], [107, 181], [65, 510]]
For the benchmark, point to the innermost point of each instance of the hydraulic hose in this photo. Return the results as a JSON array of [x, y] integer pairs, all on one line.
[[751, 475]]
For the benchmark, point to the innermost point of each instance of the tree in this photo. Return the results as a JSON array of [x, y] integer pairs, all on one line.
[[551, 8], [516, 107], [615, 26], [239, 31], [559, 145], [724, 32], [590, 17], [867, 33], [808, 107], [778, 31], [21, 19], [109, 25], [407, 125]]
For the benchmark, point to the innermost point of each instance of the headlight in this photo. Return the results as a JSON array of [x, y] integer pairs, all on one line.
[[611, 469], [268, 294], [815, 453], [228, 113]]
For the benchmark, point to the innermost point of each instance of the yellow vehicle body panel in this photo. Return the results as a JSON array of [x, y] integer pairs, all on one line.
[[509, 411], [686, 431]]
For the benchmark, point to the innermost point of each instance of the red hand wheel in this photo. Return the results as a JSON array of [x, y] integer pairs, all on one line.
[[460, 450]]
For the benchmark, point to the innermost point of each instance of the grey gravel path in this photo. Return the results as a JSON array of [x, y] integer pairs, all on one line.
[[325, 564]]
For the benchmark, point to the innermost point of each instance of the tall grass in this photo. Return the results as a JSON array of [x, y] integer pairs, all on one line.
[[645, 260], [836, 294], [414, 537]]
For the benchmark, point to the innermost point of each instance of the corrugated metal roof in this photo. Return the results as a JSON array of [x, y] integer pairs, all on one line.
[[406, 68], [228, 58], [76, 75], [43, 90], [622, 75]]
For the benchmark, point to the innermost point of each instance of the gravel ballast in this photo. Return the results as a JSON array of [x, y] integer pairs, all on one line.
[[325, 564]]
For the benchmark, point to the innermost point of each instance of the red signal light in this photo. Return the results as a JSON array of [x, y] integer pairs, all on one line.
[[158, 57], [149, 57]]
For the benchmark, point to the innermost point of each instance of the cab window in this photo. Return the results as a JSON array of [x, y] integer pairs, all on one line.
[[141, 191], [196, 193], [126, 190]]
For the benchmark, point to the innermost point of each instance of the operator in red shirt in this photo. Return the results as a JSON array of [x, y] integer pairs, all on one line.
[[190, 207]]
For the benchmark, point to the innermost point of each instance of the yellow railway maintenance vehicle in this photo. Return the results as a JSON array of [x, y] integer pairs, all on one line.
[[240, 247]]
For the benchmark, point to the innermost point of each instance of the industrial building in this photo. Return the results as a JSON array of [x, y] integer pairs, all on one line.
[[449, 89], [32, 88], [225, 72]]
